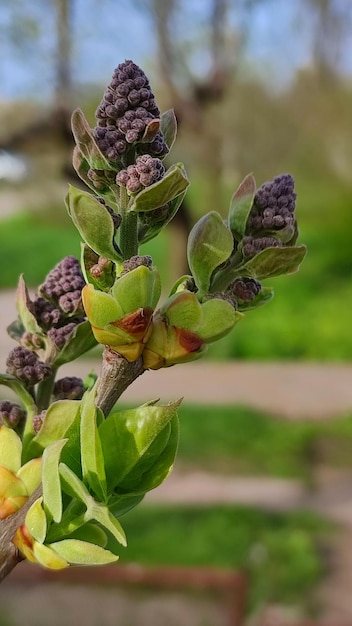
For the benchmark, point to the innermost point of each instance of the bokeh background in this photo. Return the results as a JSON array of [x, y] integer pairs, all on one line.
[[258, 86]]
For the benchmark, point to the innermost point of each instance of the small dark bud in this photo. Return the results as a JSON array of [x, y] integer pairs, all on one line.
[[136, 261], [11, 414], [38, 421], [26, 366], [68, 388], [47, 315]]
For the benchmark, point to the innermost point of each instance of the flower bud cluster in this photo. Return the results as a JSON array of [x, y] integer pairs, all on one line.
[[253, 245], [63, 285], [144, 172], [128, 106], [245, 289], [26, 366], [11, 414], [136, 261], [68, 388], [274, 205]]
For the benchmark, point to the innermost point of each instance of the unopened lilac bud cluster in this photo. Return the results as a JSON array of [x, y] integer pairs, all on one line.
[[253, 245], [11, 414], [144, 172], [245, 289], [126, 110], [274, 205], [68, 388], [63, 286], [26, 366], [60, 335]]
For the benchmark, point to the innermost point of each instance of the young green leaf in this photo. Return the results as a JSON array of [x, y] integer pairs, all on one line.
[[85, 141], [79, 552], [169, 187], [273, 261], [210, 244], [168, 124], [51, 479], [91, 450], [93, 221], [240, 207]]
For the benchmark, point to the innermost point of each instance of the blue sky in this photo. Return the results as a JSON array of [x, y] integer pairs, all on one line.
[[108, 31]]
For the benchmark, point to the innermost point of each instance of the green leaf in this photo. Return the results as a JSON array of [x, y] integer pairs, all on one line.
[[58, 419], [91, 450], [79, 552], [273, 261], [168, 124], [82, 168], [10, 449], [84, 140], [100, 513], [93, 221], [123, 503], [172, 185], [240, 207], [155, 466], [127, 438], [210, 244], [25, 309], [13, 383], [73, 486], [92, 533], [51, 479], [219, 317]]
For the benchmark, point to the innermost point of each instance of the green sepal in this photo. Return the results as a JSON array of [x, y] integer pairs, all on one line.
[[183, 310], [132, 441], [241, 205], [219, 318], [52, 498], [139, 288], [92, 459], [168, 127], [85, 141], [36, 521], [210, 244], [93, 221], [180, 284], [58, 419], [101, 308], [265, 295], [169, 187], [273, 261], [78, 552]]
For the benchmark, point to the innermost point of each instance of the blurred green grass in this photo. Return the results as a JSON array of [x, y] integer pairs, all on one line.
[[280, 552]]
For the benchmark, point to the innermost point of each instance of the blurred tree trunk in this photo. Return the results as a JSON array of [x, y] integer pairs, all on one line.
[[63, 86]]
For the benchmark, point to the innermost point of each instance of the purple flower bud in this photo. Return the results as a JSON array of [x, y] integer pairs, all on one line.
[[26, 366], [11, 414], [68, 388]]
